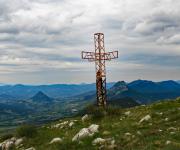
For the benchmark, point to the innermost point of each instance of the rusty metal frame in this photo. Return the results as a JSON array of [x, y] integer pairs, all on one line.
[[100, 57]]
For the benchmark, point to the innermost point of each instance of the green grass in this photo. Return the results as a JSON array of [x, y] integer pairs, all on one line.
[[28, 131], [118, 124]]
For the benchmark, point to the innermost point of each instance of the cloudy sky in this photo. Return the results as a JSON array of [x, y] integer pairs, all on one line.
[[41, 40]]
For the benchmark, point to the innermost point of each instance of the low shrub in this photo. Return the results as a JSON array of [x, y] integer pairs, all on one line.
[[99, 112], [96, 112], [28, 131], [178, 99], [113, 111]]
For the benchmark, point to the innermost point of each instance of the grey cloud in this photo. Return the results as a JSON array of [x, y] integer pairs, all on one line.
[[8, 29], [152, 59], [8, 6], [174, 39], [158, 22], [51, 57], [113, 23]]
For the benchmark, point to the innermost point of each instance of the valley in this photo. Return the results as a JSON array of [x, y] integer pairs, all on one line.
[[42, 108], [151, 127]]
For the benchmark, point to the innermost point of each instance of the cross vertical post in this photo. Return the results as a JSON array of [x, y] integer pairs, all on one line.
[[100, 57]]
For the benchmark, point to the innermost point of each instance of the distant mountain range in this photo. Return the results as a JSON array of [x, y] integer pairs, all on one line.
[[178, 81], [138, 91], [20, 91], [144, 92]]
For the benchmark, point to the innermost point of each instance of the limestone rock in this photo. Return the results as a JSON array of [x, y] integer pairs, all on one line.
[[108, 143], [56, 140], [60, 125], [93, 128], [18, 142], [171, 129], [139, 133], [71, 124], [166, 119], [98, 141], [85, 132], [146, 118], [172, 133], [127, 113], [168, 142], [85, 118], [128, 134], [106, 133], [9, 145]]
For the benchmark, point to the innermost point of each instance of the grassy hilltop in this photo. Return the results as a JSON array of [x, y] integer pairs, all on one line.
[[121, 128]]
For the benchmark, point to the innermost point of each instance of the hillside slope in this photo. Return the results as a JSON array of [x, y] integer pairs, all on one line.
[[151, 127]]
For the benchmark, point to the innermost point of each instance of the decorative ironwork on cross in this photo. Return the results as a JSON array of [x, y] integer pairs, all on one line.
[[100, 57]]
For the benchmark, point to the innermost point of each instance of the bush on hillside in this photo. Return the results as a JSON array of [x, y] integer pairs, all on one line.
[[113, 111], [5, 137], [99, 112], [28, 131], [178, 99], [96, 112]]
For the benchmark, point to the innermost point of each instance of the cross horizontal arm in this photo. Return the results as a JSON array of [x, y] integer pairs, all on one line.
[[88, 55], [91, 56], [111, 55]]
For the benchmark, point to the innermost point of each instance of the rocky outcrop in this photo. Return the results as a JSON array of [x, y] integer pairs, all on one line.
[[85, 118], [56, 140], [108, 143], [18, 142], [127, 113], [85, 132], [98, 141], [71, 124], [93, 128], [60, 125], [146, 118], [10, 143]]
